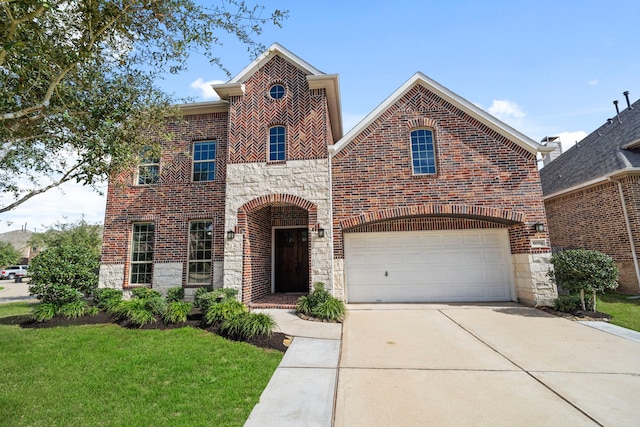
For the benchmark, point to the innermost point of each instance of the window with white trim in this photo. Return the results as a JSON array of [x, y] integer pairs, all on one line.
[[423, 156], [142, 253], [204, 161], [200, 251], [277, 146], [149, 167]]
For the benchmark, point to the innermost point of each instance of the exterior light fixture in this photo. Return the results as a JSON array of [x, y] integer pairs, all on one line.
[[231, 234], [539, 227], [321, 232]]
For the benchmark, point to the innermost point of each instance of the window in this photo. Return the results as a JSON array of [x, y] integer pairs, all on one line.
[[276, 143], [422, 152], [276, 91], [204, 161], [200, 244], [149, 169], [142, 253]]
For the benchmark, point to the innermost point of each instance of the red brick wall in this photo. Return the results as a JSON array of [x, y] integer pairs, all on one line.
[[303, 112], [476, 167], [593, 219], [256, 270], [173, 202]]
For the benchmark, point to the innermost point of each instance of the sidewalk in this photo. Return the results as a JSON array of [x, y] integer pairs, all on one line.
[[301, 391]]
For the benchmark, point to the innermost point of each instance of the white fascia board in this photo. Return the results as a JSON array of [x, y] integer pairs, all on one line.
[[599, 180], [204, 107], [331, 84], [277, 49], [455, 99], [225, 90]]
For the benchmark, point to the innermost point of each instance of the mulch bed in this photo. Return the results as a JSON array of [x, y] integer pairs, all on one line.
[[578, 314], [276, 341]]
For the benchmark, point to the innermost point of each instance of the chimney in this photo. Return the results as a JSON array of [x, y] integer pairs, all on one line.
[[617, 110], [626, 95]]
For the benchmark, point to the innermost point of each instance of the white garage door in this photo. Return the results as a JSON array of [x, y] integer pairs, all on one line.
[[423, 266]]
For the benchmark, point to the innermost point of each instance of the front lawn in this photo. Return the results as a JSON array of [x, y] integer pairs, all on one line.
[[623, 311], [106, 375]]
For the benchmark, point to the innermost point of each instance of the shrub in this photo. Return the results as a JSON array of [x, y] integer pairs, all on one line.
[[226, 293], [200, 292], [206, 300], [63, 274], [104, 297], [247, 325], [319, 303], [176, 312], [219, 312], [331, 309], [145, 293], [567, 303], [175, 294], [142, 309], [580, 270], [73, 310], [45, 311]]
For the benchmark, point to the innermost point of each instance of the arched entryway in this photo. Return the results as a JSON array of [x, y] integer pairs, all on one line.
[[276, 232]]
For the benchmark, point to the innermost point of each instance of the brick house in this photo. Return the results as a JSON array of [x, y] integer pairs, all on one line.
[[428, 198], [592, 194]]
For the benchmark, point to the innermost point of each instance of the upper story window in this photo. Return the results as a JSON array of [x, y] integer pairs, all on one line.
[[277, 143], [422, 152], [277, 91], [204, 161], [149, 167]]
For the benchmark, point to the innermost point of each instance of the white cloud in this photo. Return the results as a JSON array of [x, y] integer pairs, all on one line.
[[569, 139], [67, 204], [507, 111], [205, 89], [593, 82]]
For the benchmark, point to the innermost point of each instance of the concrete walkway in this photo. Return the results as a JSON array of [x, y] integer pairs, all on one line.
[[301, 391], [453, 365], [14, 292]]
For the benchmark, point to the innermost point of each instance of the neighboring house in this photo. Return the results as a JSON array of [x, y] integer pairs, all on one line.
[[592, 194], [429, 198], [20, 240]]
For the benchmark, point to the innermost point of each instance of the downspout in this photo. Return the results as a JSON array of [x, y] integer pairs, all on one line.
[[629, 233], [330, 151]]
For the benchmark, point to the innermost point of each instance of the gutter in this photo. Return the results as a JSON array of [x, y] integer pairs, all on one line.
[[602, 179]]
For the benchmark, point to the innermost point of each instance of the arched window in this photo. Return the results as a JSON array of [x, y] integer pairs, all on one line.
[[423, 155], [277, 148]]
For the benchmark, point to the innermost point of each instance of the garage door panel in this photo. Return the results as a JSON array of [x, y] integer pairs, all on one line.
[[461, 265]]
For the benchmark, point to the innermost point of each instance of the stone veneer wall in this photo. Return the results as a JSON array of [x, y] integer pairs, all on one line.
[[532, 285], [307, 179]]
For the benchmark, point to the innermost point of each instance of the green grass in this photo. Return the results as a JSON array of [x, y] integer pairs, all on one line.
[[623, 311], [105, 375]]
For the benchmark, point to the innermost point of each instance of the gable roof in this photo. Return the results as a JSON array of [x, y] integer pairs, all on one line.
[[453, 98], [612, 148], [316, 79]]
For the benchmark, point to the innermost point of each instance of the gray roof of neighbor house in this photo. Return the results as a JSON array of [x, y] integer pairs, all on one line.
[[613, 147], [18, 238]]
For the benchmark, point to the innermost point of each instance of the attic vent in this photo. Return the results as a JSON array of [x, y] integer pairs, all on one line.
[[540, 243]]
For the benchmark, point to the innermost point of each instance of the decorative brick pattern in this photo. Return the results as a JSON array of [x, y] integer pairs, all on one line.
[[302, 111], [425, 224]]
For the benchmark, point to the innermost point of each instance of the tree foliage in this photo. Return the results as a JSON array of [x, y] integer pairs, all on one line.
[[8, 254], [79, 234], [78, 99], [582, 270]]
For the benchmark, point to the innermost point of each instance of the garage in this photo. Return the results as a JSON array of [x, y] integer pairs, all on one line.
[[428, 266]]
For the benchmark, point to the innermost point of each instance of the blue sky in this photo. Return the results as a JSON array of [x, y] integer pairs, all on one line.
[[544, 67]]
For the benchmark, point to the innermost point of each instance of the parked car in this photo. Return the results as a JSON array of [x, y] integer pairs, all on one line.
[[12, 271]]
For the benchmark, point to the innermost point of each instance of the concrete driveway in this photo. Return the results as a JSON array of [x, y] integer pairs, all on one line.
[[459, 365]]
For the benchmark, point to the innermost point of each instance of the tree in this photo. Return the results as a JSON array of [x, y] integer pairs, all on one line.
[[78, 234], [582, 270], [8, 254], [78, 99]]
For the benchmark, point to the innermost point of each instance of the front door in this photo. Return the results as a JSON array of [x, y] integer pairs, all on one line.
[[291, 260]]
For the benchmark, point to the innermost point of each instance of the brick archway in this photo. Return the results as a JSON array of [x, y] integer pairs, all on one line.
[[274, 200]]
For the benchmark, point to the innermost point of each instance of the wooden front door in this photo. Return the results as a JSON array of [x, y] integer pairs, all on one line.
[[291, 260]]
